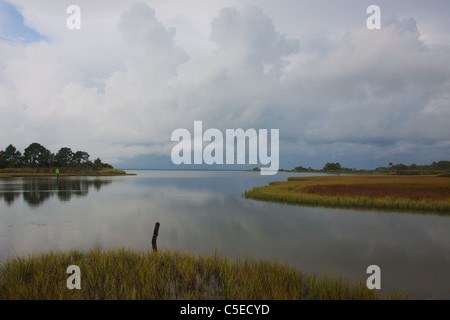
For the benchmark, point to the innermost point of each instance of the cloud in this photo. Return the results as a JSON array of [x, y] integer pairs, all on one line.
[[375, 87], [150, 44], [251, 36], [120, 96]]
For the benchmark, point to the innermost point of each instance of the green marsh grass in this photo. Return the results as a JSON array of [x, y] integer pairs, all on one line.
[[129, 275], [426, 194]]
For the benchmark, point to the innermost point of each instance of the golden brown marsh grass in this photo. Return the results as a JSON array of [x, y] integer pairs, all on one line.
[[410, 193], [130, 275]]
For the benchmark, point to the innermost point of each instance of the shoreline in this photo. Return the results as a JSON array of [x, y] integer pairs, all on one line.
[[108, 173]]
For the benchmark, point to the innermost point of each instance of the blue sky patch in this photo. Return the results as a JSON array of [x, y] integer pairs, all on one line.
[[12, 27]]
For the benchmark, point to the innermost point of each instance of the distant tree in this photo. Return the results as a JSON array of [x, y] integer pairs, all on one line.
[[80, 157], [400, 166], [3, 163], [300, 168], [10, 157], [107, 166], [36, 154], [332, 166], [394, 169], [98, 165], [441, 165], [63, 157], [413, 166], [46, 158]]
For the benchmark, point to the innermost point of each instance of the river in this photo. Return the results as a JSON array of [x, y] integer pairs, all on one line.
[[204, 212]]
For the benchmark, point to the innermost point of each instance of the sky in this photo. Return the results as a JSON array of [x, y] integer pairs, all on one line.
[[134, 72]]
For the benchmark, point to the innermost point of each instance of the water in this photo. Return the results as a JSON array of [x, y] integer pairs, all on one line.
[[204, 212]]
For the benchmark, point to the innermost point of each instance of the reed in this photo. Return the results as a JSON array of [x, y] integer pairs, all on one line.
[[130, 275], [426, 194]]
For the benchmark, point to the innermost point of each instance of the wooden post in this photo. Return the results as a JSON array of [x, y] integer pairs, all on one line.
[[155, 235]]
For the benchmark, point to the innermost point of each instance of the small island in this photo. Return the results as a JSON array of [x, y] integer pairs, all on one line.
[[37, 160], [398, 188]]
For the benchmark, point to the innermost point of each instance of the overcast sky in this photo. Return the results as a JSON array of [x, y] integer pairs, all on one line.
[[337, 91]]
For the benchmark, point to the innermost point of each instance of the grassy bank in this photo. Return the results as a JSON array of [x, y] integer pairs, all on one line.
[[398, 193], [125, 274], [45, 172]]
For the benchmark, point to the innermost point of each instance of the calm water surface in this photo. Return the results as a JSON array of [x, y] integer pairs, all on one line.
[[203, 212]]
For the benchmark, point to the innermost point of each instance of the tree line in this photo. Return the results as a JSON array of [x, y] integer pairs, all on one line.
[[38, 156], [403, 168], [393, 168], [329, 166]]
